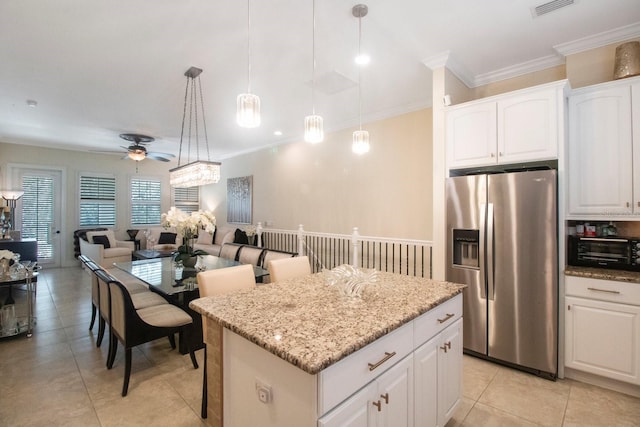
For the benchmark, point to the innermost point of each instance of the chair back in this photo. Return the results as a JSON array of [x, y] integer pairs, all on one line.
[[251, 255], [230, 251], [119, 301], [287, 268], [225, 280], [271, 254]]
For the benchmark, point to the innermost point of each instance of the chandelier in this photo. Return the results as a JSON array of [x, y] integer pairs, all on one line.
[[198, 172], [248, 104], [313, 132]]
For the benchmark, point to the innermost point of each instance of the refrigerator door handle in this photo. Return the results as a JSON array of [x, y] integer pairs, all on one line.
[[491, 284], [482, 250]]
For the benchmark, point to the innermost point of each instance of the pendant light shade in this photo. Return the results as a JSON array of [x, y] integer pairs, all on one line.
[[248, 115], [313, 132], [360, 144], [198, 172], [248, 104]]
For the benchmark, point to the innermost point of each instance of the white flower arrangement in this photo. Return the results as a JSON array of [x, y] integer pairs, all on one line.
[[250, 230], [189, 224], [6, 254]]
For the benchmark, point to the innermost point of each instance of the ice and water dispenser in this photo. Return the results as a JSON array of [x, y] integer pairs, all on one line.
[[466, 248]]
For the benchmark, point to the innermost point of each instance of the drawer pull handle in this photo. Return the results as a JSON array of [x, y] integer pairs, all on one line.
[[447, 317], [378, 405], [385, 397], [446, 346], [386, 357], [603, 290]]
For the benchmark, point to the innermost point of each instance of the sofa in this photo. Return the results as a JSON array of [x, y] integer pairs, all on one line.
[[212, 244], [104, 249], [165, 239]]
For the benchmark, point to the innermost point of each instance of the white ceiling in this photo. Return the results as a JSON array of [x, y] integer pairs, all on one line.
[[100, 68]]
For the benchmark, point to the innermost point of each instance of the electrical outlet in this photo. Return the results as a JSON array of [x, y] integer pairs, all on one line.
[[263, 391]]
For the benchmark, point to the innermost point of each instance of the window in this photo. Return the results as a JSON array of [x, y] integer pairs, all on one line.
[[186, 199], [38, 212], [97, 201], [145, 201]]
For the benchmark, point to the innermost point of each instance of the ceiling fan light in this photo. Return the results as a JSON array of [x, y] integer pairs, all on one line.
[[313, 132], [248, 114], [360, 142], [137, 155]]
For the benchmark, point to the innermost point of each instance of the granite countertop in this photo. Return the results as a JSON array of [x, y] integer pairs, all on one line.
[[603, 273], [312, 325]]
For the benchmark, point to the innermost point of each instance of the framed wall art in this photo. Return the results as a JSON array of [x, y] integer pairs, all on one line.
[[239, 199]]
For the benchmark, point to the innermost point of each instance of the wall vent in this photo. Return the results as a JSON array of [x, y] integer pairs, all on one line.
[[545, 8]]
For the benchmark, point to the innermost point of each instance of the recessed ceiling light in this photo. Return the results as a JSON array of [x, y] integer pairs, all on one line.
[[278, 133], [31, 103]]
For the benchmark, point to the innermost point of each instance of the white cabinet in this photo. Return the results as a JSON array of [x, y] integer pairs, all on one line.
[[601, 150], [438, 377], [520, 126], [387, 401], [602, 334]]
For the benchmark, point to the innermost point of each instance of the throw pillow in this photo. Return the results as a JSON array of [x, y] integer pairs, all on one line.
[[103, 240], [241, 237], [205, 238], [167, 238]]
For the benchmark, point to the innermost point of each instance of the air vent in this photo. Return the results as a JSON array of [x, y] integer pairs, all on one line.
[[543, 9]]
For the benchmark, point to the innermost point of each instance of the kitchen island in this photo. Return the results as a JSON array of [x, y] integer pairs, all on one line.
[[300, 353]]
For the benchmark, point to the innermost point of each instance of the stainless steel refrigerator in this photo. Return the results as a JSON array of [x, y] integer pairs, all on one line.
[[502, 243]]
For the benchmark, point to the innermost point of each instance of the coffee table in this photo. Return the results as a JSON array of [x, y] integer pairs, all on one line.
[[151, 254]]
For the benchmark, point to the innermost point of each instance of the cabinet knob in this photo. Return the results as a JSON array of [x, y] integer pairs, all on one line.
[[639, 204], [446, 347], [378, 405], [500, 154], [493, 154], [628, 204], [385, 397]]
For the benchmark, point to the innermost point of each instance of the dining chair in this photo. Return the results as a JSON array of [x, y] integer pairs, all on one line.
[[230, 251], [287, 268], [133, 327], [95, 295], [269, 255], [251, 255], [217, 282]]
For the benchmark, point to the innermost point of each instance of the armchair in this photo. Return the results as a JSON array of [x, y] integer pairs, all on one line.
[[103, 248]]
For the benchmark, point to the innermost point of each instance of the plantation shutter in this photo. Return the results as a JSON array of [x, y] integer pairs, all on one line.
[[145, 201], [37, 212], [97, 201], [186, 199]]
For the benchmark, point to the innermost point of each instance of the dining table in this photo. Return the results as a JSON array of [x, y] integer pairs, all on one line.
[[178, 283]]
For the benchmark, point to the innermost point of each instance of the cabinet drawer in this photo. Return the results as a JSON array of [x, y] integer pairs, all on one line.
[[344, 378], [433, 321], [604, 290]]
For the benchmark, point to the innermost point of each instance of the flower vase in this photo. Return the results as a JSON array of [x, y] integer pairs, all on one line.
[[4, 266], [190, 262]]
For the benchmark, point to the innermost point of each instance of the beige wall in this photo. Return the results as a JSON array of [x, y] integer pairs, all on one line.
[[593, 66], [72, 164], [327, 188]]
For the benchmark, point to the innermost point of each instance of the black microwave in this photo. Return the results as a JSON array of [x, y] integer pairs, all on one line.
[[620, 253]]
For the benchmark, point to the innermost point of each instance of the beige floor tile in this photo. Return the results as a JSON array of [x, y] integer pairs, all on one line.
[[461, 412], [527, 396], [486, 416], [478, 374], [594, 406]]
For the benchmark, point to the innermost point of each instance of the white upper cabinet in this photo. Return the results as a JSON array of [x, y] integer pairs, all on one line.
[[601, 167], [520, 126]]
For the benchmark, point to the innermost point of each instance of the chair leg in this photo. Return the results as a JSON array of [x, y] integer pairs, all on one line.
[[101, 327], [127, 371], [113, 349], [172, 341], [203, 410], [189, 332], [93, 316]]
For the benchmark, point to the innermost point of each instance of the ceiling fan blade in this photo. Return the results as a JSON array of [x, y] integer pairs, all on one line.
[[159, 156]]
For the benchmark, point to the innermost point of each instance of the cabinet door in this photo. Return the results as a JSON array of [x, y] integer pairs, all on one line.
[[635, 107], [395, 394], [426, 383], [471, 135], [600, 164], [357, 411], [603, 338], [528, 126], [449, 371]]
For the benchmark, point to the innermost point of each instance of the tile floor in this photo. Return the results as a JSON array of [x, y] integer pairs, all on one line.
[[58, 377]]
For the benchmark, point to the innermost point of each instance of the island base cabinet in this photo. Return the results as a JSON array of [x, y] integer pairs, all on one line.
[[603, 338], [438, 377], [385, 402]]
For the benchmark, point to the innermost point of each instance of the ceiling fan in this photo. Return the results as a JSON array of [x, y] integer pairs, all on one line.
[[137, 150]]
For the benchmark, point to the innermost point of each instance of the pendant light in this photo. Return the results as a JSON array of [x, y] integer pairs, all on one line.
[[313, 132], [248, 112], [199, 172], [360, 143]]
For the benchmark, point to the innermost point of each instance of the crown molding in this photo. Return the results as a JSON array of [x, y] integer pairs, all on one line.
[[598, 40], [518, 70], [445, 59]]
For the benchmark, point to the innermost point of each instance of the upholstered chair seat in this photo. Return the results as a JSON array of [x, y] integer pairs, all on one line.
[[287, 268]]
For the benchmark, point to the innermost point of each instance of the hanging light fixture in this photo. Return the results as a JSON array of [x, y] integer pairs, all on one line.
[[313, 132], [199, 172], [360, 143], [248, 112]]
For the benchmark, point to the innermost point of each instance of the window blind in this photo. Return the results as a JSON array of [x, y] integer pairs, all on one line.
[[145, 201], [186, 199], [37, 212], [97, 201]]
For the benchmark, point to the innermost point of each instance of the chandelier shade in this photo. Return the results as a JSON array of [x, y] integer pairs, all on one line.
[[248, 115], [137, 155], [360, 143], [313, 132], [198, 172]]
